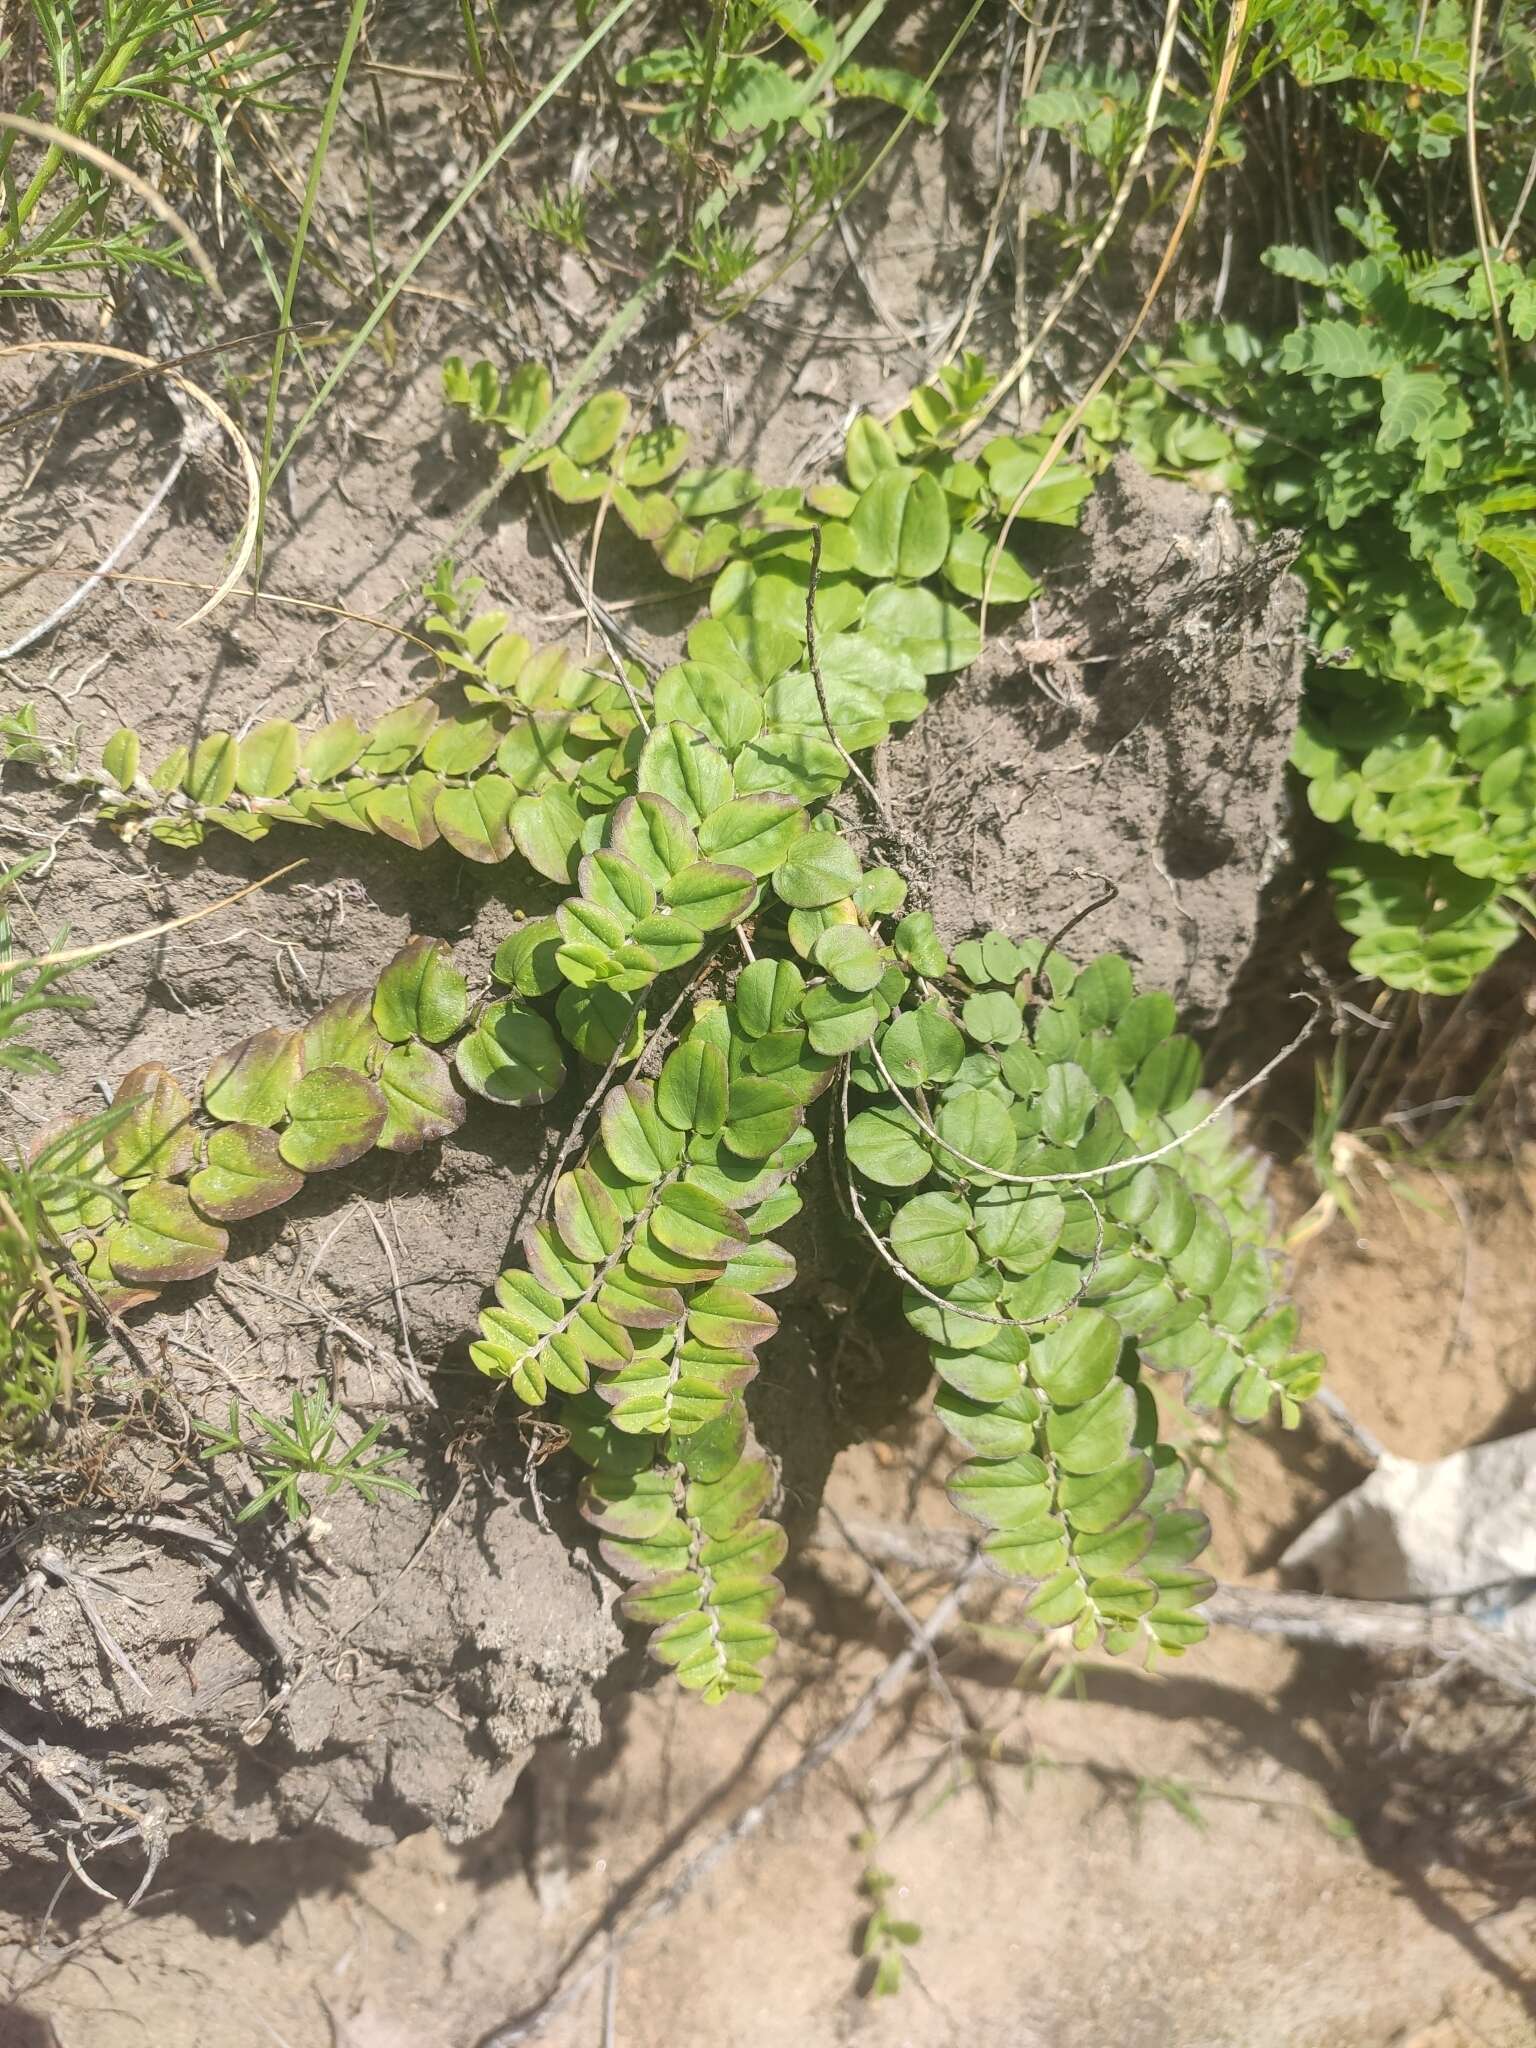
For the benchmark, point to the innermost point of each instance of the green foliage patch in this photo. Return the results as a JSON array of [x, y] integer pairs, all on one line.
[[1411, 476], [1023, 1144]]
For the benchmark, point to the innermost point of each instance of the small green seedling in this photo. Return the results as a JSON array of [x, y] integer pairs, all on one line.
[[883, 1939], [308, 1445]]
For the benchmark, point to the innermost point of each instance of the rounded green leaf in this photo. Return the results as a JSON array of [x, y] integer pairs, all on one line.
[[407, 811], [819, 868], [851, 956], [1018, 1229], [867, 450], [705, 493], [755, 832], [616, 885], [691, 1088], [922, 1046], [210, 775], [1168, 1076], [655, 835], [398, 738], [839, 1023], [768, 994], [476, 820], [901, 526], [761, 1115], [696, 1224], [730, 1319], [331, 751], [250, 1083], [1066, 1102], [726, 711], [639, 1142], [930, 1235], [547, 832], [163, 1238], [977, 1131], [668, 938], [156, 1136], [267, 759], [587, 1216], [463, 743], [710, 895], [786, 763], [973, 560], [937, 636], [511, 1055], [1094, 1436], [599, 1021], [1103, 990], [422, 1101], [343, 1034], [335, 1116], [760, 1267], [857, 714], [681, 765], [120, 757], [651, 457], [991, 1429], [525, 959], [1077, 1359], [887, 1146], [595, 427], [245, 1175], [992, 1018], [554, 1265], [421, 994], [1144, 1022]]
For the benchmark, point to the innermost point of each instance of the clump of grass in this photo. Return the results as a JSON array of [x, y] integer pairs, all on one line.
[[136, 79], [558, 213], [44, 1354]]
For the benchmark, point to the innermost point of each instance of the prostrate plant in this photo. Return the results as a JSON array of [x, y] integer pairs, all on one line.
[[1024, 1146]]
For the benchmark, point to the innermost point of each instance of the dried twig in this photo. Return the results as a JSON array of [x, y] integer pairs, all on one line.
[[1379, 1627]]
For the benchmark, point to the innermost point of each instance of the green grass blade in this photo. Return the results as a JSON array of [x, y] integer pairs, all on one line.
[[296, 264], [445, 221]]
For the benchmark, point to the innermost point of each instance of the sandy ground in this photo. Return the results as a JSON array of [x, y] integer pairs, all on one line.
[[1254, 1848]]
